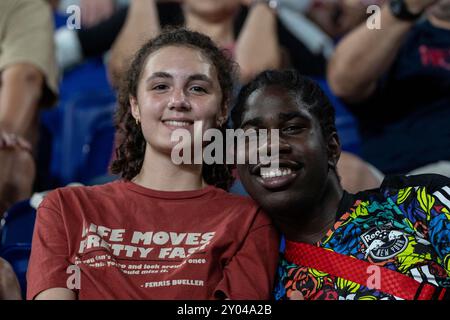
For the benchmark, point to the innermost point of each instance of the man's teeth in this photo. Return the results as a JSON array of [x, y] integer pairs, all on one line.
[[272, 173], [177, 123]]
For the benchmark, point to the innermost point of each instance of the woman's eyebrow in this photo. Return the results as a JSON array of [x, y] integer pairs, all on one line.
[[193, 77], [200, 77], [158, 74]]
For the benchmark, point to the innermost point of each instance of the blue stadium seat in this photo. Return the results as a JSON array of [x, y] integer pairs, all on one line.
[[18, 224], [238, 188], [15, 239], [346, 123], [81, 127]]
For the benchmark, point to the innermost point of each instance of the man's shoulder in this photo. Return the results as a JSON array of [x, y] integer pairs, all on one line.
[[432, 182], [407, 185]]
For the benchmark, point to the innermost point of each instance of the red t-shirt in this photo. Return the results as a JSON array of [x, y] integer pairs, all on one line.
[[123, 241]]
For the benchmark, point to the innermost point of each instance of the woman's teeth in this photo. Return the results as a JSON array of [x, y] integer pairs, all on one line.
[[177, 123], [276, 172]]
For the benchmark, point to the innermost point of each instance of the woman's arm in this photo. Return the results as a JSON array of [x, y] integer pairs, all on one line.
[[250, 273], [47, 274]]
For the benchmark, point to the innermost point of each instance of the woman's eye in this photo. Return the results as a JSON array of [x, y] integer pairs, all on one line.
[[160, 87], [198, 89]]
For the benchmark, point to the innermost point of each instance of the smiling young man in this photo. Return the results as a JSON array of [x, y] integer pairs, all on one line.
[[392, 242]]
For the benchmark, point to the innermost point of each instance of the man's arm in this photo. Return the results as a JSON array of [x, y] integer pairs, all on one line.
[[142, 23], [257, 47], [364, 55]]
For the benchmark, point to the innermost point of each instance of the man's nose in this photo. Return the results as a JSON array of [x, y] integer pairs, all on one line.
[[276, 141], [275, 144], [179, 101]]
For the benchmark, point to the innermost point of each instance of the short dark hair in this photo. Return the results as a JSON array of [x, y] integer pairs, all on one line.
[[130, 152], [306, 90]]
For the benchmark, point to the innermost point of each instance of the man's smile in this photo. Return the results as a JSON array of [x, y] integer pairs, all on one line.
[[277, 176]]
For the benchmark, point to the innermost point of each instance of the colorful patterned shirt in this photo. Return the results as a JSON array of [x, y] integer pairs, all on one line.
[[403, 226]]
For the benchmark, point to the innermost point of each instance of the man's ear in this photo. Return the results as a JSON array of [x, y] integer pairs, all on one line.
[[135, 108], [333, 149]]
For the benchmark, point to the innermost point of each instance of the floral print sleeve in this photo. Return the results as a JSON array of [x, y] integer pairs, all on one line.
[[403, 226]]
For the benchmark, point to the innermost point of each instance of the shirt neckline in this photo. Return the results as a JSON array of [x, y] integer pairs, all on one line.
[[172, 195], [346, 202]]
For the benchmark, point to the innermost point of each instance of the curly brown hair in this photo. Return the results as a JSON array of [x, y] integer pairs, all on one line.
[[130, 152]]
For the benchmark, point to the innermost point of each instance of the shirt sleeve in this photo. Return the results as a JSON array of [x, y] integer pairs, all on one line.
[[250, 273], [432, 182], [49, 260], [437, 208]]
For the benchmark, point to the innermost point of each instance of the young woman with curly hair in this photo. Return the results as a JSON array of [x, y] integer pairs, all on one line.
[[164, 231]]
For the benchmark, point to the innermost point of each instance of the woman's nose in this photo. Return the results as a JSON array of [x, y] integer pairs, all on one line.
[[179, 101]]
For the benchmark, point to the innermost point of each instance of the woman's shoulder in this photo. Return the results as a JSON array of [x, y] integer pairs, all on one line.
[[79, 192], [234, 199], [243, 209]]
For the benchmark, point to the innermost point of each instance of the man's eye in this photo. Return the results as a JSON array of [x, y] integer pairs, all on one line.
[[250, 130], [293, 129]]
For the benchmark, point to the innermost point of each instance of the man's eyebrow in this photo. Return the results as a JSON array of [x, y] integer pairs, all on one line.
[[286, 116], [255, 122], [158, 75]]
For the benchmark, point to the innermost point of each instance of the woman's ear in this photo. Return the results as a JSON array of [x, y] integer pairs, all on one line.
[[135, 108], [333, 149], [222, 116]]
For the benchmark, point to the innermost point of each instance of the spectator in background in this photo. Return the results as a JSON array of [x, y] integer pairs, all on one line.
[[101, 21], [306, 29], [396, 80], [262, 34], [28, 82], [315, 27], [387, 243], [219, 19]]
